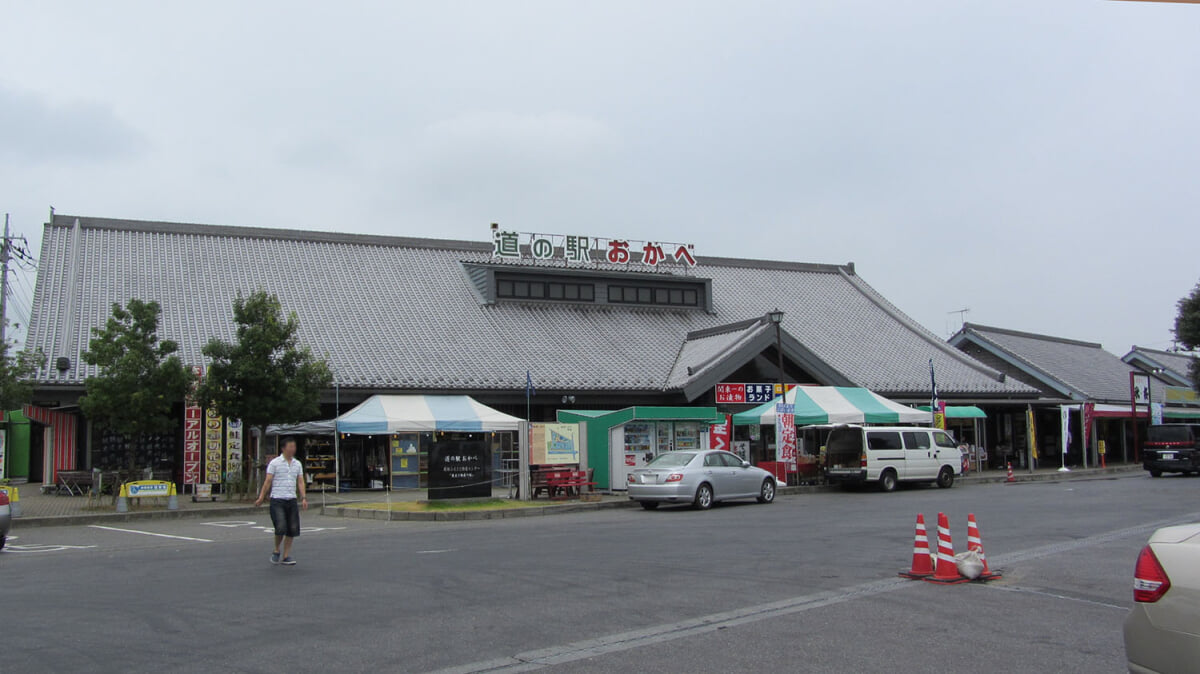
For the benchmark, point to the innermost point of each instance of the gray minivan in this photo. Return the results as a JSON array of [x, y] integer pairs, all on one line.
[[890, 455]]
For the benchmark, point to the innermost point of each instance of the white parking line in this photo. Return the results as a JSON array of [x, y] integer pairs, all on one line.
[[151, 533]]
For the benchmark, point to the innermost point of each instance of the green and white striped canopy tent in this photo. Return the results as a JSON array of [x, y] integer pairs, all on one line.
[[836, 405]]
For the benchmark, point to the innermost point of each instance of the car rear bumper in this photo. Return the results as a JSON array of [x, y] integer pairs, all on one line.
[[675, 492], [1170, 465], [846, 476], [1152, 649]]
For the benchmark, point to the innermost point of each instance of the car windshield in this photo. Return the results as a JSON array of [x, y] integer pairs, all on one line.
[[1170, 434], [672, 459]]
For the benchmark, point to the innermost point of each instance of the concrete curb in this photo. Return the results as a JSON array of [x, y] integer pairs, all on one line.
[[1075, 474], [534, 511], [471, 515]]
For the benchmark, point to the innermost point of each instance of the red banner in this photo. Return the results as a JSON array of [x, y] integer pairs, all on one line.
[[719, 435], [193, 433], [193, 436]]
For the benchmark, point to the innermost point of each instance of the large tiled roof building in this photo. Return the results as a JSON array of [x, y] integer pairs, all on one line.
[[407, 314]]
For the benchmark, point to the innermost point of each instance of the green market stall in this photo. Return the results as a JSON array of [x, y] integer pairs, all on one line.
[[620, 440]]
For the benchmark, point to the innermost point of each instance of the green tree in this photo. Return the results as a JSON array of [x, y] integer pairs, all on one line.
[[1187, 329], [16, 375], [140, 379], [265, 376]]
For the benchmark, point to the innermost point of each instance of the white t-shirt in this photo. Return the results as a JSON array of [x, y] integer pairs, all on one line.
[[284, 475]]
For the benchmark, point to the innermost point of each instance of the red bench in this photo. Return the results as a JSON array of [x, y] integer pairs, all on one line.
[[562, 484]]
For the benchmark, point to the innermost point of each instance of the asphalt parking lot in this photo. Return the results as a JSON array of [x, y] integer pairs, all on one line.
[[806, 584]]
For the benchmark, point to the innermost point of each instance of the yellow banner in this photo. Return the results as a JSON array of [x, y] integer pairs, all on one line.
[[214, 434], [1031, 429], [1182, 394]]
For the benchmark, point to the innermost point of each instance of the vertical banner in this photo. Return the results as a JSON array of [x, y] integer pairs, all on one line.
[[3, 447], [1031, 429], [233, 449], [719, 435], [193, 425], [939, 415], [213, 436], [193, 434], [1089, 418], [785, 434]]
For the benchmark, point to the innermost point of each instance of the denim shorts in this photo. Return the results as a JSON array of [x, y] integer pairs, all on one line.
[[285, 515]]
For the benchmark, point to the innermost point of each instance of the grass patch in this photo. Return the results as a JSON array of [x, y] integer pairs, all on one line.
[[445, 506]]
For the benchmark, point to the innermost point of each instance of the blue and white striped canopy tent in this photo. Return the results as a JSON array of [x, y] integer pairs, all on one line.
[[424, 413], [836, 405]]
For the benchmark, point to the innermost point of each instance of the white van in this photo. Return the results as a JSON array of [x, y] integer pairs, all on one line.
[[888, 455]]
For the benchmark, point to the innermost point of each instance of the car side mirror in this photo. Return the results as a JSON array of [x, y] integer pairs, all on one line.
[[745, 464]]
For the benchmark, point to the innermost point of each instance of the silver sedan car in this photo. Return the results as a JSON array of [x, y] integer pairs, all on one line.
[[1162, 631], [5, 518], [700, 478]]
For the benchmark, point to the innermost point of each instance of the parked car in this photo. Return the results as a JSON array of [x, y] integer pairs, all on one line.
[[5, 518], [700, 478], [1172, 448], [890, 455], [1162, 630]]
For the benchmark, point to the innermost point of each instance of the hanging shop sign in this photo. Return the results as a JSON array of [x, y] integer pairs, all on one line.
[[233, 448], [589, 249], [1139, 391], [214, 432], [729, 394], [1182, 394]]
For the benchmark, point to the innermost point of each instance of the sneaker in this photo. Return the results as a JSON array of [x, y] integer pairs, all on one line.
[[288, 561], [274, 557]]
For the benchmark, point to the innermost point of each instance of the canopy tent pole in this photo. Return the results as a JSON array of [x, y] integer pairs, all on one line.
[[337, 440]]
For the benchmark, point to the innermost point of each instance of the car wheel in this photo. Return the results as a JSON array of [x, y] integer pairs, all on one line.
[[704, 497], [767, 493], [649, 505], [1156, 473], [887, 480], [945, 478]]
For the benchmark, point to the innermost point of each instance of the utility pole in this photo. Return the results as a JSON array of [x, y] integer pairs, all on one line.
[[4, 250]]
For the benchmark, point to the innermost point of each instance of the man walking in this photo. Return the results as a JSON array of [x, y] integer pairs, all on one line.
[[285, 479]]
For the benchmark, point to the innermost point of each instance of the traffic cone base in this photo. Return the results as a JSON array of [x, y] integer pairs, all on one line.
[[922, 563]]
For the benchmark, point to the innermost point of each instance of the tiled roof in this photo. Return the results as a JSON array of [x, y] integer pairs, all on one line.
[[403, 314], [1177, 365], [1082, 370]]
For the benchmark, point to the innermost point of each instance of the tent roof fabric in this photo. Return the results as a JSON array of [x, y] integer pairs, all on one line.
[[836, 405], [423, 413], [960, 411]]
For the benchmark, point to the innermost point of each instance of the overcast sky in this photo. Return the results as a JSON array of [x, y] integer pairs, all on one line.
[[1034, 161]]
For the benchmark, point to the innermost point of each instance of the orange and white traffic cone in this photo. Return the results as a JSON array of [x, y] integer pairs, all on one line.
[[975, 542], [1010, 475], [946, 571], [922, 562]]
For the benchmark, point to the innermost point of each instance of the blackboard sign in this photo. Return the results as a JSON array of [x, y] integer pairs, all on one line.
[[460, 469]]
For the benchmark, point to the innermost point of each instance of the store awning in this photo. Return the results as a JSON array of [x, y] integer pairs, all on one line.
[[836, 405], [424, 413], [960, 411]]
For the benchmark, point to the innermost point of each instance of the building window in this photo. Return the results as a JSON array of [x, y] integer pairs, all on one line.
[[648, 294], [561, 291]]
